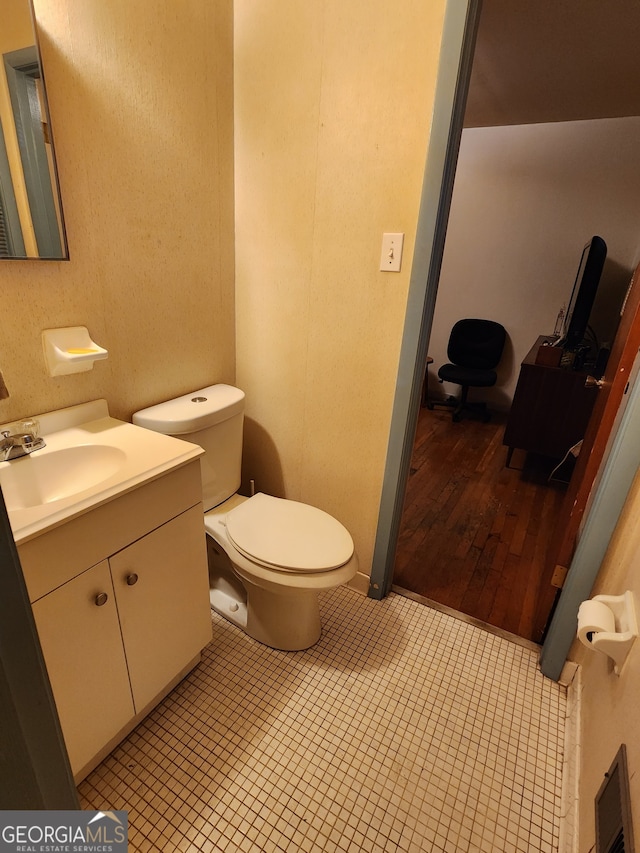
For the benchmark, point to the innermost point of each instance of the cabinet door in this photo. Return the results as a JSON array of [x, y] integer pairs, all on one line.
[[82, 647], [162, 589]]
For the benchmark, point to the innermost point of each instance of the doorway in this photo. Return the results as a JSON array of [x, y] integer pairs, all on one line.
[[474, 532], [407, 400], [495, 583]]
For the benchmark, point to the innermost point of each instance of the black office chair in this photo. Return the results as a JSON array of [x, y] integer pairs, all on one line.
[[475, 349]]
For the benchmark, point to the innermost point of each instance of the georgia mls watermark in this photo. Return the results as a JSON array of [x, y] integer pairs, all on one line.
[[63, 832]]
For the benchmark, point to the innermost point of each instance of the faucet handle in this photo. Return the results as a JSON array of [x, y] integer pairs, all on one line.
[[5, 433], [30, 426]]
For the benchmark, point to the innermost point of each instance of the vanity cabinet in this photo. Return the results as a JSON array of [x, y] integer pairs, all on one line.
[[120, 631]]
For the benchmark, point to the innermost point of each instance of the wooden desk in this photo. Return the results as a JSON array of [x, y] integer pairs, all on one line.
[[550, 410]]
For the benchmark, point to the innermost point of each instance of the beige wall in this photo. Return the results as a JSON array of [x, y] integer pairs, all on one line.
[[142, 119], [332, 121], [609, 703], [526, 200], [332, 113]]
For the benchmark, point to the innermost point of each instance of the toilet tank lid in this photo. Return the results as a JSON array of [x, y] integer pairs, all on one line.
[[192, 412]]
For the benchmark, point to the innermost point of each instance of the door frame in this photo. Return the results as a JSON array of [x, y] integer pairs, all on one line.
[[613, 483], [454, 72]]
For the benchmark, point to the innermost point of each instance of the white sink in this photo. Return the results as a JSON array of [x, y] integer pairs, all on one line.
[[42, 478], [89, 459]]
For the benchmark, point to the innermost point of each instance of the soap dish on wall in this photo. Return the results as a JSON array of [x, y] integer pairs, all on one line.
[[70, 350]]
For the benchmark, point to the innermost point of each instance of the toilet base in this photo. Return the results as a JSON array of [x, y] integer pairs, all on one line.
[[287, 622], [227, 606], [271, 615], [264, 619], [227, 594]]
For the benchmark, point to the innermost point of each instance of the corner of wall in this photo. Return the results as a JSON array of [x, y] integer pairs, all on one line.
[[360, 583]]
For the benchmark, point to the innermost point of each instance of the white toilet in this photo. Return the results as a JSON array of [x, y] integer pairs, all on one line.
[[268, 557]]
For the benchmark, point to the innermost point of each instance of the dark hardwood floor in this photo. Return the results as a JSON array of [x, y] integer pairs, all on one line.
[[474, 533]]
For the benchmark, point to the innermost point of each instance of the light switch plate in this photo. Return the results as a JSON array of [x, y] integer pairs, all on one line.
[[391, 256]]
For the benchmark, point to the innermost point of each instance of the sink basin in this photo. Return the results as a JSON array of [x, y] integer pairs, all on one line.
[[90, 459], [44, 477]]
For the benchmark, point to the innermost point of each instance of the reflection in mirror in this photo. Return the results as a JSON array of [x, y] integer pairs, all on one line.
[[31, 222]]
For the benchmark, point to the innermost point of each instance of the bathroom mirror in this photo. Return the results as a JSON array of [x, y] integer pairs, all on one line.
[[31, 221]]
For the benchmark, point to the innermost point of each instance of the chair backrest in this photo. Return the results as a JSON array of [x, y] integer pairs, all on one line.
[[476, 343]]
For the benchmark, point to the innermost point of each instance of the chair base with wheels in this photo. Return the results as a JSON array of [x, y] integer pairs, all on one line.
[[459, 405]]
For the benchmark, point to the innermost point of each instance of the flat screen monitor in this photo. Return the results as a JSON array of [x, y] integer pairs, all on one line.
[[584, 293]]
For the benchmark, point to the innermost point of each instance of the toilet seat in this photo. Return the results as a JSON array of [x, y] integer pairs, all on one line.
[[288, 536]]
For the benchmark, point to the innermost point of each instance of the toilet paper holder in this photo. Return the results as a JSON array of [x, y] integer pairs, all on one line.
[[617, 643]]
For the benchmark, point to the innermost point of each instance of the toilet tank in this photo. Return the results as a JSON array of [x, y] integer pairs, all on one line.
[[212, 418]]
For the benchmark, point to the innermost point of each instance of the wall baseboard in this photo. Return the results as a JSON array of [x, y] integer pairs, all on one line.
[[360, 583], [568, 842]]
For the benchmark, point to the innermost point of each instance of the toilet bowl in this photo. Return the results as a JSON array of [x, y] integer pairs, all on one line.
[[268, 557], [276, 604]]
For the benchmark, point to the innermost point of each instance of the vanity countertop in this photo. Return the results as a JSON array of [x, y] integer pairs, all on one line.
[[85, 464]]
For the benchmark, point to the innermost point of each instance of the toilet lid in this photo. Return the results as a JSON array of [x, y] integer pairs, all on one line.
[[288, 535]]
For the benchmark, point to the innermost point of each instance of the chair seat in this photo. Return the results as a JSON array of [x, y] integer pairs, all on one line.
[[472, 376]]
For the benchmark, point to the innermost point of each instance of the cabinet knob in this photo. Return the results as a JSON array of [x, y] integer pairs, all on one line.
[[101, 598], [132, 579]]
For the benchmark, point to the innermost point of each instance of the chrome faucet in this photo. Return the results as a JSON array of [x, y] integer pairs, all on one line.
[[22, 442]]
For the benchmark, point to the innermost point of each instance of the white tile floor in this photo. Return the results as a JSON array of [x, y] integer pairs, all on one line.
[[403, 729]]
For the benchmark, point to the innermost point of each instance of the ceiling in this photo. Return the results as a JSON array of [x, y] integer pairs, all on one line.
[[555, 60]]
